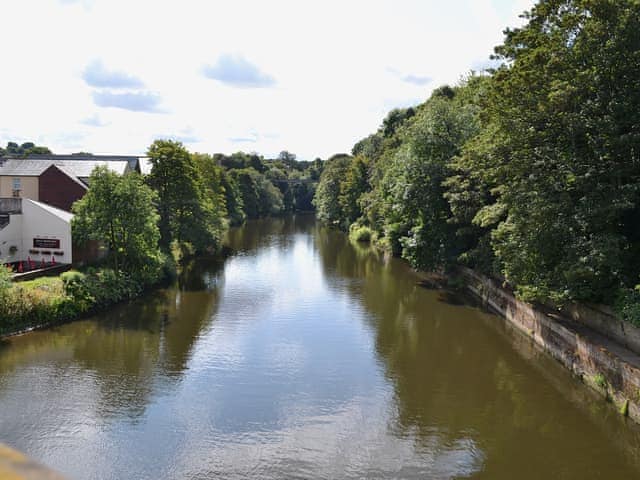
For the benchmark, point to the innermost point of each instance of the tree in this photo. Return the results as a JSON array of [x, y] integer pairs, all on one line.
[[187, 214], [564, 158], [27, 148], [415, 203], [287, 158], [327, 197], [353, 186], [259, 196], [233, 199], [212, 182], [120, 211]]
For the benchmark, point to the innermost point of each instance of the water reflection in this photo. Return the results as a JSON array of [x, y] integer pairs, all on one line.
[[455, 376], [302, 356]]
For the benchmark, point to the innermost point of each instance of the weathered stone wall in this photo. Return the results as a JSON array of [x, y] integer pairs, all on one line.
[[603, 364], [603, 320]]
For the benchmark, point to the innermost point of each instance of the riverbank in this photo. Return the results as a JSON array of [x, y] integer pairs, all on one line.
[[47, 301], [602, 363]]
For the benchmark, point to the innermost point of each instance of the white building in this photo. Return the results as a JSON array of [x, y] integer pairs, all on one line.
[[31, 229]]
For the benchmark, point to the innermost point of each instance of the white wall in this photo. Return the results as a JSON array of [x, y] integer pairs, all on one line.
[[36, 221], [43, 221], [11, 236]]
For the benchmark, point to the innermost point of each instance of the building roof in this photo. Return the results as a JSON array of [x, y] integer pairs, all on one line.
[[66, 216], [132, 160], [22, 167], [69, 173]]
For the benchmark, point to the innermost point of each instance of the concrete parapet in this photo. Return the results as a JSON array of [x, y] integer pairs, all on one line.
[[15, 466]]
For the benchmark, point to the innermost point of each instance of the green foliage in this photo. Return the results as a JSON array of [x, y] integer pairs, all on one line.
[[49, 300], [233, 199], [327, 197], [5, 279], [23, 306], [562, 150], [530, 173], [352, 187], [27, 148], [627, 305], [119, 210], [600, 381], [190, 206], [360, 233], [259, 196], [100, 288], [295, 180]]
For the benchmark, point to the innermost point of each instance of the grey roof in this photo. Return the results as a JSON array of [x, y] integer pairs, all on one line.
[[132, 160], [69, 173], [66, 216], [18, 167]]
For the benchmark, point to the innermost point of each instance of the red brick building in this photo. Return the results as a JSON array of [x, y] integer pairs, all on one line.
[[60, 188]]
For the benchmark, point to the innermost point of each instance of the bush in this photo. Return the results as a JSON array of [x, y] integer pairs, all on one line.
[[360, 233], [627, 305], [49, 300], [30, 304], [97, 289]]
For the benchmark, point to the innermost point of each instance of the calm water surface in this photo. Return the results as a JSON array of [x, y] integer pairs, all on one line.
[[302, 356]]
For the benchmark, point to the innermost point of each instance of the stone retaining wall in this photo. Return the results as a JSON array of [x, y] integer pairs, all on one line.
[[603, 364]]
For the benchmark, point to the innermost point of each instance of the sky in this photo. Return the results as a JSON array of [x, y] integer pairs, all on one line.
[[308, 76]]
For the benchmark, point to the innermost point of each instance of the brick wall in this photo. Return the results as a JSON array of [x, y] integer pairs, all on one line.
[[59, 190]]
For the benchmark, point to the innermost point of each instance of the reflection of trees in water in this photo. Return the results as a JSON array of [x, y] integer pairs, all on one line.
[[456, 378], [132, 350], [280, 231]]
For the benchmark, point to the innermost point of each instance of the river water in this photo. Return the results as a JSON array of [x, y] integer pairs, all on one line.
[[303, 356]]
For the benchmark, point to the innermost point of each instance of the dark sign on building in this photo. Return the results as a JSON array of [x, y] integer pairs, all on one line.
[[46, 243]]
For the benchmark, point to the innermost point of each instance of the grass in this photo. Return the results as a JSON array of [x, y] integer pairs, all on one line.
[[42, 283], [600, 381]]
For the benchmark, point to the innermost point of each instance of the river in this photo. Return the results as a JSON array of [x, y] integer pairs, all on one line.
[[303, 356]]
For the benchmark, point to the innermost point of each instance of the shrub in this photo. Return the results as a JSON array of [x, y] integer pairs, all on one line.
[[360, 233], [30, 304], [53, 299], [627, 305]]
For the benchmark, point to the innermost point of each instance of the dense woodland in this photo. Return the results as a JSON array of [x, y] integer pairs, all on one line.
[[529, 172]]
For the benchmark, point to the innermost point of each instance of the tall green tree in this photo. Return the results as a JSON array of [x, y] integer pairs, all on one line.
[[354, 184], [327, 197], [120, 210], [187, 213], [259, 196], [564, 158]]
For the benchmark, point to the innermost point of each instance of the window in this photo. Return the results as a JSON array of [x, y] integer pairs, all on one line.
[[17, 186]]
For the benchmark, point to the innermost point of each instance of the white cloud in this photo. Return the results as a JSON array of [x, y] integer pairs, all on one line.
[[328, 63], [96, 75], [134, 101], [237, 71], [94, 121]]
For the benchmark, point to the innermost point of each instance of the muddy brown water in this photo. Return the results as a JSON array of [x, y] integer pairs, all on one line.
[[303, 355]]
